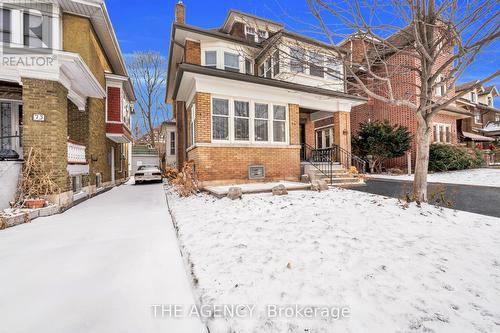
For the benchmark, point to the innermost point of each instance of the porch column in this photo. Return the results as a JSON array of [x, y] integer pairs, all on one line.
[[342, 129], [49, 135], [293, 117]]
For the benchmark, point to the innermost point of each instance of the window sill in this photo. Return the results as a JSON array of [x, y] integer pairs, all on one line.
[[244, 145]]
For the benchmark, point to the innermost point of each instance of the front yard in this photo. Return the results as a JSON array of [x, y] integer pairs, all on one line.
[[396, 268]]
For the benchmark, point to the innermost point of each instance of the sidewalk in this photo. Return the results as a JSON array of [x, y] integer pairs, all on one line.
[[99, 267]]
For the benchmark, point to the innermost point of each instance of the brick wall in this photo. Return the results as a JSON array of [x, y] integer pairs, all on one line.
[[114, 104], [49, 136], [97, 148], [293, 118], [192, 53], [342, 129], [203, 118], [180, 113], [230, 164]]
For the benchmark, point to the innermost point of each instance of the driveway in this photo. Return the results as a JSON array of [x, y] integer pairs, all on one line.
[[470, 198], [98, 267]]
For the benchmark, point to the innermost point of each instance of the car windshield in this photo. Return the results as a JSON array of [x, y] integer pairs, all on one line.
[[147, 167]]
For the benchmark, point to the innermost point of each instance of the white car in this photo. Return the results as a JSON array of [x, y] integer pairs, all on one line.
[[147, 173]]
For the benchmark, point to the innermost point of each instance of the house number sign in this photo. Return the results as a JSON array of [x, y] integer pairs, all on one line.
[[38, 117]]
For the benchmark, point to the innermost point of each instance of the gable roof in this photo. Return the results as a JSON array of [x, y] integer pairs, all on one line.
[[466, 86], [234, 12]]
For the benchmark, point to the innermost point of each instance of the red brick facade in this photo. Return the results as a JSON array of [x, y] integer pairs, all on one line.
[[114, 104]]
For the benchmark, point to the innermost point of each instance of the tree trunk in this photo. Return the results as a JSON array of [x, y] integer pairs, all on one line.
[[422, 159]]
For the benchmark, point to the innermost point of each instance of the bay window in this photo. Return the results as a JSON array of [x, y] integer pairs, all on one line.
[[5, 26], [220, 119], [241, 121], [261, 122], [279, 123], [211, 59], [231, 62]]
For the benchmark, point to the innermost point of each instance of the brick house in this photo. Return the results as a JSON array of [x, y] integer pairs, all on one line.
[[483, 127], [73, 103], [244, 109], [445, 122]]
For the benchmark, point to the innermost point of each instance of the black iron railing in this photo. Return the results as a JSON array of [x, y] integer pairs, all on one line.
[[325, 159]]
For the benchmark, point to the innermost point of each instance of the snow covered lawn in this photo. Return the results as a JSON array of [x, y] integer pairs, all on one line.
[[480, 177], [99, 267], [396, 269]]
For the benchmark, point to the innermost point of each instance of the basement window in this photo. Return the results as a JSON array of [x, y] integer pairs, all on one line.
[[256, 172]]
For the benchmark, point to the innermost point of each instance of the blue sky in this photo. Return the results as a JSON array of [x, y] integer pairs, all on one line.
[[145, 24]]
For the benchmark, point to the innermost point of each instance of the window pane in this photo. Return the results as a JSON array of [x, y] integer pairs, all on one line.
[[221, 128], [297, 60], [241, 109], [261, 70], [211, 58], [241, 128], [268, 68], [261, 111], [5, 31], [32, 30], [319, 139], [279, 131], [231, 61], [279, 112], [248, 66], [220, 106], [316, 65], [261, 130], [276, 63]]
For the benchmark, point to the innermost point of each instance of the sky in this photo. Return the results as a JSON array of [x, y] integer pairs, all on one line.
[[143, 25]]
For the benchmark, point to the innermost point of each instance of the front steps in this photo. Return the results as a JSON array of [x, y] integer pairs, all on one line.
[[335, 176]]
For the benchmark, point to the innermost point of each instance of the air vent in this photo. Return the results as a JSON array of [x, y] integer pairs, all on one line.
[[256, 172]]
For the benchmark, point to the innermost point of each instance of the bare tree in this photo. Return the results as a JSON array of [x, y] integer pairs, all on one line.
[[147, 70], [439, 39]]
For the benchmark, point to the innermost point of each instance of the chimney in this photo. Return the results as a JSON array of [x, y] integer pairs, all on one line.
[[180, 12]]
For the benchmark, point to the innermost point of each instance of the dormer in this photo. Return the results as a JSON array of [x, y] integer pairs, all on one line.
[[250, 27]]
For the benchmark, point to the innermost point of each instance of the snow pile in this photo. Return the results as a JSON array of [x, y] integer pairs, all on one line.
[[480, 177], [396, 269]]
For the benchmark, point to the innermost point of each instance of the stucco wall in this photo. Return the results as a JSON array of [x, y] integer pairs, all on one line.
[[9, 177]]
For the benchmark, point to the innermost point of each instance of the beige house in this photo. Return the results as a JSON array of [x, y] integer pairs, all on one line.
[[64, 91], [246, 111]]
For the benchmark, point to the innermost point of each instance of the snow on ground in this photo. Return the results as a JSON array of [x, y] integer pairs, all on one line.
[[480, 177], [396, 269], [98, 267]]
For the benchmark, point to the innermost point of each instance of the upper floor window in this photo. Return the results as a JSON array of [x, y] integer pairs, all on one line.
[[5, 26], [316, 65], [211, 58], [477, 118], [297, 60], [250, 33], [333, 68], [440, 89], [248, 66], [497, 116], [231, 62], [33, 30], [261, 69], [490, 101], [262, 34], [276, 63], [473, 96], [268, 68]]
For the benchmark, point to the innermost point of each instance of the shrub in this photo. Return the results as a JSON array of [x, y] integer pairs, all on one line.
[[382, 141], [443, 157]]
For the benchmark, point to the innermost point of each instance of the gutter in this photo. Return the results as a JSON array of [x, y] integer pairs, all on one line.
[[256, 80]]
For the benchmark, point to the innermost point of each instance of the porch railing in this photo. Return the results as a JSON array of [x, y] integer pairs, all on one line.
[[324, 159], [76, 153]]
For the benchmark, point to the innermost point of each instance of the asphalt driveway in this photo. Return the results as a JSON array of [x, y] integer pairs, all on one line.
[[470, 198]]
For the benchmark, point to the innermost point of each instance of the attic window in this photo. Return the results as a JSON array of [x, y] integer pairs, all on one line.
[[262, 35], [250, 33], [472, 96]]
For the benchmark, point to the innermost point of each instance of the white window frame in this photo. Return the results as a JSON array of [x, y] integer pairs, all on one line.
[[477, 118], [473, 97], [229, 116], [251, 31], [441, 126], [251, 141], [312, 56], [497, 116], [205, 58], [234, 118], [440, 88], [236, 69], [251, 62], [11, 27], [268, 120], [323, 130]]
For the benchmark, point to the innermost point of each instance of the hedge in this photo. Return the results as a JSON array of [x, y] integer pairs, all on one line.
[[444, 157]]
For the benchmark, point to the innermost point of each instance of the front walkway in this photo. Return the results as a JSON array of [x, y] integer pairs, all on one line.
[[99, 267]]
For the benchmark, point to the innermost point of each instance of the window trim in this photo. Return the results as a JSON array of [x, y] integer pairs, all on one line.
[[233, 69], [234, 116], [476, 116], [10, 31], [205, 58], [172, 147], [251, 141], [439, 133]]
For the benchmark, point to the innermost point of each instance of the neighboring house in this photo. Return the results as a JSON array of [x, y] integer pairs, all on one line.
[[483, 127], [445, 121], [144, 155], [73, 102], [160, 143], [168, 129], [245, 113]]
